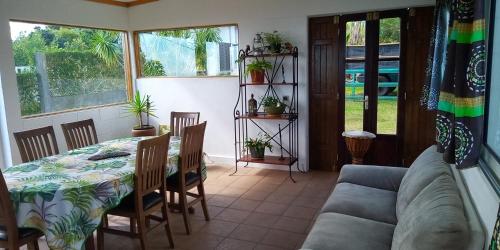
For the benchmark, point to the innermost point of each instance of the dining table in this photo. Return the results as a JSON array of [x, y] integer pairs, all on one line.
[[65, 196]]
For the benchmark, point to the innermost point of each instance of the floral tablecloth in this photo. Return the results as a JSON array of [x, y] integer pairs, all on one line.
[[65, 196]]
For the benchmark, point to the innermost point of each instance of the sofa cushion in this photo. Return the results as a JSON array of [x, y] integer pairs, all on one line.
[[382, 177], [427, 167], [434, 219], [361, 201], [343, 232]]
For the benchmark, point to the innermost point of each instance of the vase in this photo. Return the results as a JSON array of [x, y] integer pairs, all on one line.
[[275, 110], [257, 153], [257, 76], [144, 131]]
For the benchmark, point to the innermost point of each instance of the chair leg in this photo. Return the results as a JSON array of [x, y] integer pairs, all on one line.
[[184, 210], [164, 211], [33, 245], [100, 236], [105, 221], [172, 200], [201, 191], [142, 231], [132, 225]]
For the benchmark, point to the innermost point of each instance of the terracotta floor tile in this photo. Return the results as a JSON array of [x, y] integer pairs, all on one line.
[[219, 227], [284, 199], [203, 241], [212, 211], [243, 204], [300, 212], [267, 247], [271, 208], [221, 201], [255, 195], [249, 233], [290, 224], [233, 215], [309, 202], [282, 239], [260, 219], [232, 191], [233, 244]]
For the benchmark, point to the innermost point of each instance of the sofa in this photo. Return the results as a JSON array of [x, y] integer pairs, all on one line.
[[380, 207]]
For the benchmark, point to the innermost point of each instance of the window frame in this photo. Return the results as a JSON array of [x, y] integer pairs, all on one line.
[[127, 65], [489, 158], [137, 61]]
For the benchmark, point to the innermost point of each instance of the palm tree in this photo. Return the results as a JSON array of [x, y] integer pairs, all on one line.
[[106, 45]]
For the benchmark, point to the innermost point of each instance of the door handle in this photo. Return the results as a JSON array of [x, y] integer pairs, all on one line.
[[366, 102]]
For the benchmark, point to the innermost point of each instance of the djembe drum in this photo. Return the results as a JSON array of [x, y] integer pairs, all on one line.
[[358, 143]]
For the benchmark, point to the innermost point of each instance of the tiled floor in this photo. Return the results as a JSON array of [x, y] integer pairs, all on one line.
[[253, 209]]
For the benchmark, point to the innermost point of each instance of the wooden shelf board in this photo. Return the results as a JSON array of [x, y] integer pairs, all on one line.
[[268, 159], [263, 116]]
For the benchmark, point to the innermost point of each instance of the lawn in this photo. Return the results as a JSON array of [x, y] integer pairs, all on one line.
[[386, 114]]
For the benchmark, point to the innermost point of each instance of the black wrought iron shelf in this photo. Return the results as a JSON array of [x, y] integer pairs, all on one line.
[[286, 139]]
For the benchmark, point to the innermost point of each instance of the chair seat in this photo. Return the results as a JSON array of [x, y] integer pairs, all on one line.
[[23, 233], [148, 201], [173, 180]]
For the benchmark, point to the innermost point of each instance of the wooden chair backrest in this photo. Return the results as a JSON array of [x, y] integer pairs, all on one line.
[[80, 134], [179, 120], [150, 164], [36, 143], [7, 214], [191, 151]]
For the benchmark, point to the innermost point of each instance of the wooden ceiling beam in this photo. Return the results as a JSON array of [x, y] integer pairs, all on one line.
[[123, 4]]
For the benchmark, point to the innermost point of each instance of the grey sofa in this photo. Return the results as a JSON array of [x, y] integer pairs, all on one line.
[[378, 207]]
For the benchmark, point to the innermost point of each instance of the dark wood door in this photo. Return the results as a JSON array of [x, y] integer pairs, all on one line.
[[323, 92], [419, 123]]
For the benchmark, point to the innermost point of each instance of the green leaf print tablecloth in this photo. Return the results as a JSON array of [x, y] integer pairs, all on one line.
[[65, 196]]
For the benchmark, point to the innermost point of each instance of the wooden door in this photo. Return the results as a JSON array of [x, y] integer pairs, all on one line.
[[419, 122], [323, 92]]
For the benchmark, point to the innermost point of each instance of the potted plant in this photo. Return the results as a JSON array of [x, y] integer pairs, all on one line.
[[273, 106], [139, 106], [257, 70], [273, 41], [257, 146]]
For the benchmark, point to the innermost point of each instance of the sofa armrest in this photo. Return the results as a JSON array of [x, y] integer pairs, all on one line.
[[382, 177]]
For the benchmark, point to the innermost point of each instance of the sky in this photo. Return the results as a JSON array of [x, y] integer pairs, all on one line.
[[17, 28]]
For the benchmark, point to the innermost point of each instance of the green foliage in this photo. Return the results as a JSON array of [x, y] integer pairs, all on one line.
[[260, 142], [258, 65], [29, 96], [106, 45], [139, 105], [271, 101], [274, 41], [153, 68], [71, 228], [390, 30]]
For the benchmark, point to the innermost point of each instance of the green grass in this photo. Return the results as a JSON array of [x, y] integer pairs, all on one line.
[[386, 114]]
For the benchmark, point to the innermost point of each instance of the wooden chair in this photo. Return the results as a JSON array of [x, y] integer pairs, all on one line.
[[189, 173], [12, 237], [37, 143], [149, 177], [179, 120], [80, 134]]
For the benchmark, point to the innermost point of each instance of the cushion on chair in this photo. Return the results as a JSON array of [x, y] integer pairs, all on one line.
[[173, 180], [23, 233], [426, 168], [434, 220], [339, 231], [148, 201], [382, 177], [365, 202]]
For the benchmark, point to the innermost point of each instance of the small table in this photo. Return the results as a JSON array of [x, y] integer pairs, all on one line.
[[358, 143]]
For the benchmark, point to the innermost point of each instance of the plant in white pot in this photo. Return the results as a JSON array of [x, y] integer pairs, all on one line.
[[140, 106], [257, 146]]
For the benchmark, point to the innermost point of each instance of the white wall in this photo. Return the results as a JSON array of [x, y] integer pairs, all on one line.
[[219, 94], [109, 121]]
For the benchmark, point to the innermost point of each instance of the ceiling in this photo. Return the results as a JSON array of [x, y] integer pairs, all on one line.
[[123, 3]]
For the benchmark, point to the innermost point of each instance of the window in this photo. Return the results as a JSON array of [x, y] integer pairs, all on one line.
[[61, 68], [189, 52], [491, 154]]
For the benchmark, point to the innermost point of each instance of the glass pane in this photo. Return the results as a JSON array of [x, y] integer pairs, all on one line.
[[388, 76], [189, 52], [493, 133], [61, 67], [354, 75]]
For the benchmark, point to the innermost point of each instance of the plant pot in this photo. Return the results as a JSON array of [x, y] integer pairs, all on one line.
[[144, 131], [275, 110], [257, 153], [257, 76]]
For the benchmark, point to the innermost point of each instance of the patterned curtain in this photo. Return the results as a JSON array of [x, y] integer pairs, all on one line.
[[495, 239], [437, 55], [460, 118]]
